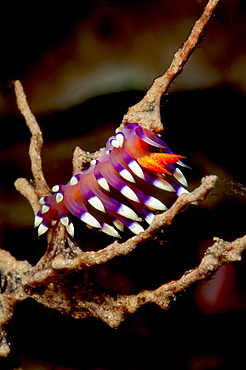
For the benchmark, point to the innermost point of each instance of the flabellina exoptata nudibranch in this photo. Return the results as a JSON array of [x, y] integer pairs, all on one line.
[[118, 188]]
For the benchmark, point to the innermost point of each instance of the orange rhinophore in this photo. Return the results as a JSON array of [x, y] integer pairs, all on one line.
[[158, 162]]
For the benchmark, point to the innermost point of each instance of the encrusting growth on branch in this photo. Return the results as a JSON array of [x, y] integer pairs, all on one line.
[[63, 255]]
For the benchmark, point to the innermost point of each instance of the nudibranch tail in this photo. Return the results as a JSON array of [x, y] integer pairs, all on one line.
[[120, 189]]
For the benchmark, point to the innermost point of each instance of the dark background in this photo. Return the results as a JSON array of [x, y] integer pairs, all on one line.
[[82, 65]]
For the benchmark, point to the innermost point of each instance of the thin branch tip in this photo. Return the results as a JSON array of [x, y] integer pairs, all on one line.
[[36, 141], [147, 111]]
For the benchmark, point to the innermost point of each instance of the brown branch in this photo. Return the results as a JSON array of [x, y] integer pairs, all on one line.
[[36, 141], [81, 157], [11, 272], [56, 271], [147, 111], [72, 300], [220, 253], [89, 259], [28, 191], [55, 259]]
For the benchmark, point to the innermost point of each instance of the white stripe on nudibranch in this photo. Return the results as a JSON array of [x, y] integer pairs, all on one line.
[[55, 188], [59, 197], [163, 185], [73, 180], [118, 140], [97, 203], [182, 190], [45, 208], [149, 218], [64, 220], [180, 177], [119, 225], [127, 175], [41, 201], [103, 183], [127, 212], [70, 229], [110, 230], [42, 229], [129, 193], [114, 143], [134, 166], [135, 228], [90, 220], [37, 220], [155, 204]]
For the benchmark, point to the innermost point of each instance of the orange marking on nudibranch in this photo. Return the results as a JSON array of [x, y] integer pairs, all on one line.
[[158, 162]]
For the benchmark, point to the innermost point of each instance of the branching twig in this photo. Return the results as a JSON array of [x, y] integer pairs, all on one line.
[[49, 282], [71, 299], [88, 259], [36, 142], [147, 111]]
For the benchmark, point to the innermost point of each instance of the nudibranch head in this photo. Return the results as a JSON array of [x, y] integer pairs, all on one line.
[[118, 189]]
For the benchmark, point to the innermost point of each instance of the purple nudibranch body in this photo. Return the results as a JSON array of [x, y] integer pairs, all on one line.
[[118, 189]]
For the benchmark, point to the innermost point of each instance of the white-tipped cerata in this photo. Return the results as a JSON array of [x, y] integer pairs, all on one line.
[[45, 208], [127, 212], [135, 228], [149, 218], [90, 220], [129, 193], [180, 177], [114, 143], [119, 225], [134, 166], [103, 183], [120, 139], [73, 180], [37, 220], [59, 197], [64, 220], [42, 229], [97, 203], [110, 230], [41, 201], [182, 190], [55, 188], [163, 185], [127, 175], [155, 204], [70, 229]]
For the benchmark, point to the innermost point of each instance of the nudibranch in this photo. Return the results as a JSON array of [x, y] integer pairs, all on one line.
[[116, 191]]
